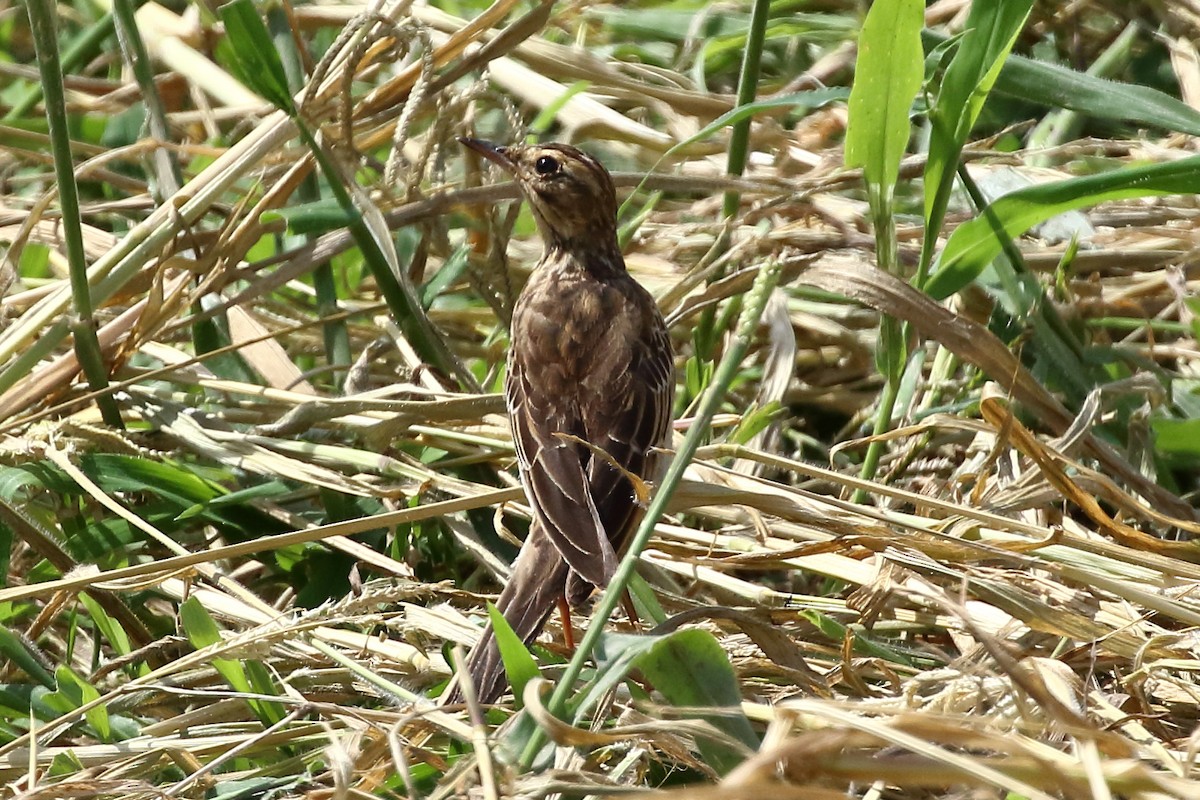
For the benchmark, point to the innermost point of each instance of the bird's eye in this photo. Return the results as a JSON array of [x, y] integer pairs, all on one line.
[[546, 165]]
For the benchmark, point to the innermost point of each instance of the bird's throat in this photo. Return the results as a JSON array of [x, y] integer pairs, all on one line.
[[600, 257]]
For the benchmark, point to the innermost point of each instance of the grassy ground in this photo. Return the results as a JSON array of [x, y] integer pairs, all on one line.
[[257, 481]]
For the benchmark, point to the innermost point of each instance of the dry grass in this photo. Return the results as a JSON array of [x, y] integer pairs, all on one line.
[[1014, 610]]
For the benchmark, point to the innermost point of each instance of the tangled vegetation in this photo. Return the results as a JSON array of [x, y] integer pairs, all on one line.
[[929, 528]]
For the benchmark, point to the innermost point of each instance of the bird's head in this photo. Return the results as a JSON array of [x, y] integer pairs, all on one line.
[[570, 193]]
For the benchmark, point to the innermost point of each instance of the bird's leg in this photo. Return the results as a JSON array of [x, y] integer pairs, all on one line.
[[568, 632], [630, 611]]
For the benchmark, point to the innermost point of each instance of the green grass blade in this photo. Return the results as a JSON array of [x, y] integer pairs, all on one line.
[[262, 69], [708, 327], [992, 29], [334, 332], [203, 632], [1065, 125], [1057, 86], [166, 166], [255, 58], [74, 692], [1179, 438], [109, 628], [974, 244], [87, 346], [15, 653], [887, 76], [518, 663]]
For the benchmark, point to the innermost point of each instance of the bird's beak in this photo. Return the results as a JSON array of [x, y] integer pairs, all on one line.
[[494, 153]]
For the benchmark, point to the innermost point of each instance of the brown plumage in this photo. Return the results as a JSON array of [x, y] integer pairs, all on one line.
[[590, 358]]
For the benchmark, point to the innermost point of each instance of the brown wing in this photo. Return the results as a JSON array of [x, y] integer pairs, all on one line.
[[552, 472], [628, 432], [623, 407], [637, 419]]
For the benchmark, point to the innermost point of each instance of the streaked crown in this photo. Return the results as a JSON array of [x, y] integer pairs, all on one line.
[[571, 194]]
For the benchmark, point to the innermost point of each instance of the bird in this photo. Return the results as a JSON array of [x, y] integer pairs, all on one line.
[[589, 387]]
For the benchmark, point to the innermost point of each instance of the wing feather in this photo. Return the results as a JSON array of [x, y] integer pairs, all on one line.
[[554, 479], [637, 420], [585, 506]]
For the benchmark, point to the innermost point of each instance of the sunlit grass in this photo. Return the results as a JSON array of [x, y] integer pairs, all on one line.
[[259, 584]]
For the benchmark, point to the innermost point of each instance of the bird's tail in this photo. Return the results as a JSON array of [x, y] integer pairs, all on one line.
[[538, 580]]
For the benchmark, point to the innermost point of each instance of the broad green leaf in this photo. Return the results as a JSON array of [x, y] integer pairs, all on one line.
[[76, 692], [886, 79], [974, 244], [64, 764], [26, 699], [117, 473], [887, 76], [1177, 437], [754, 420], [615, 655], [14, 479], [691, 671], [520, 668], [248, 678], [990, 32], [203, 632], [109, 628], [262, 682], [518, 663]]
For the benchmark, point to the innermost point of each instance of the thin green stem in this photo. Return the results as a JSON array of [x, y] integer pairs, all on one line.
[[79, 51], [334, 332], [883, 420], [892, 348], [87, 345], [727, 370], [735, 164], [739, 138], [402, 301], [166, 168]]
